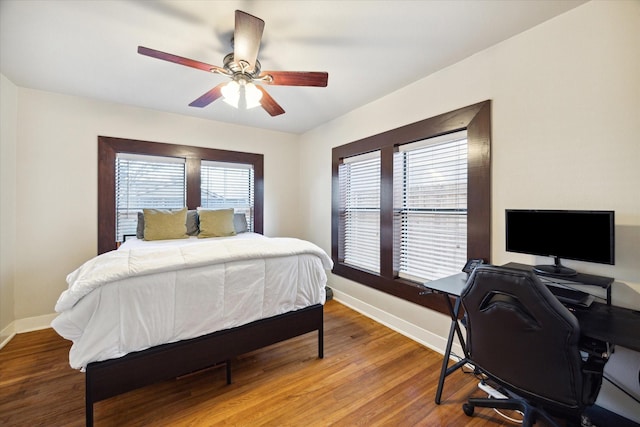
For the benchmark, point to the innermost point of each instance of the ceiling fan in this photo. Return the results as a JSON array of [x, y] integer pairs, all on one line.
[[243, 68]]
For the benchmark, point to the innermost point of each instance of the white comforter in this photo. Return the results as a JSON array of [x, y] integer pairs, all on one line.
[[132, 299]]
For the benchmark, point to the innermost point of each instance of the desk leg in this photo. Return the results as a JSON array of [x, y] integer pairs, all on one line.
[[455, 328]]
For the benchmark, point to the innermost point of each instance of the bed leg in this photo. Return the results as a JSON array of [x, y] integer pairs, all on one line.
[[88, 401], [89, 415], [321, 342], [228, 363]]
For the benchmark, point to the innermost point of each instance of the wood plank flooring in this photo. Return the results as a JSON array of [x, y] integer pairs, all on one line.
[[370, 376]]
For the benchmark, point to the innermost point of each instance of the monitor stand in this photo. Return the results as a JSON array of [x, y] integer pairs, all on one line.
[[555, 270]]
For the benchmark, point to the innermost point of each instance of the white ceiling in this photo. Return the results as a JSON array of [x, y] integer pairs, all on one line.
[[369, 49]]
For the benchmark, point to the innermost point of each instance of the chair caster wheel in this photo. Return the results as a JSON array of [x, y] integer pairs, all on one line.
[[467, 408]]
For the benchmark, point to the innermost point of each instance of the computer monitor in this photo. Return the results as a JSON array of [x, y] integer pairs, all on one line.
[[570, 234]]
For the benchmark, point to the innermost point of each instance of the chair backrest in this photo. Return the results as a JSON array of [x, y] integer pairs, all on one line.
[[523, 337]]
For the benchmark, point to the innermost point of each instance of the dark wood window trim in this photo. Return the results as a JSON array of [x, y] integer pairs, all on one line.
[[476, 120], [109, 147]]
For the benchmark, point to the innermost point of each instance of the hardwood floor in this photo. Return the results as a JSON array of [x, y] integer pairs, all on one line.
[[370, 376]]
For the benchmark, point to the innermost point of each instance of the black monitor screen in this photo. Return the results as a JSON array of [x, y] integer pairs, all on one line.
[[578, 235]]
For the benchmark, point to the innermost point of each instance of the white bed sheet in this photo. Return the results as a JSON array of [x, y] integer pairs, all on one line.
[[141, 309]]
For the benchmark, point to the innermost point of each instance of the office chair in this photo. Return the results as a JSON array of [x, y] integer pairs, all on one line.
[[520, 337]]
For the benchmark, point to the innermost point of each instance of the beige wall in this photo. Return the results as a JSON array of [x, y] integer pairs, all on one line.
[[56, 201], [566, 125], [8, 144]]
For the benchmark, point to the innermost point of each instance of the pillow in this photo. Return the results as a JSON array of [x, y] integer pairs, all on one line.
[[216, 223], [164, 224], [192, 224], [240, 222], [140, 228]]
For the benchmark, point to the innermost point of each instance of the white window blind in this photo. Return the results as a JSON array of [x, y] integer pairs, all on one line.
[[359, 179], [228, 185], [430, 207], [146, 182]]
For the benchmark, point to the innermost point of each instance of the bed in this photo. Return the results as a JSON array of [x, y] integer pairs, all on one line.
[[152, 311]]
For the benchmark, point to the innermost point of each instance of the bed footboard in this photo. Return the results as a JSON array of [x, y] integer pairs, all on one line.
[[113, 377]]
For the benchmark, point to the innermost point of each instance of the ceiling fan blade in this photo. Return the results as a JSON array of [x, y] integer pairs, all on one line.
[[208, 97], [178, 59], [246, 38], [297, 78], [269, 104]]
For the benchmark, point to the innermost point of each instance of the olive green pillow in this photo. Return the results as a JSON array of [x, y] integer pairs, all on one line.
[[192, 224], [216, 223], [164, 224]]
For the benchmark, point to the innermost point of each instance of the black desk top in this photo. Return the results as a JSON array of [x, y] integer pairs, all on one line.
[[615, 325]]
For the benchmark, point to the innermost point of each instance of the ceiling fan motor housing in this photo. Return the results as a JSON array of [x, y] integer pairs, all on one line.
[[241, 67]]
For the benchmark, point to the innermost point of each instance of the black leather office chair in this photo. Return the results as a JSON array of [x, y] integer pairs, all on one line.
[[524, 340]]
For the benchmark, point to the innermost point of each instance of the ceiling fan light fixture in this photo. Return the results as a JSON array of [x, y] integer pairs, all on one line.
[[231, 93], [252, 95], [241, 94]]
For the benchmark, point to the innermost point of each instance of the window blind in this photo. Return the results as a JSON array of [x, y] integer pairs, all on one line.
[[430, 207], [228, 185], [359, 229], [146, 182]]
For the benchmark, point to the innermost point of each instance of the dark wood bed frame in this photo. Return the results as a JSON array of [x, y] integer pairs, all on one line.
[[116, 376]]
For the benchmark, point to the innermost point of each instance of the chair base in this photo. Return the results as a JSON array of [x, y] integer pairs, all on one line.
[[530, 413], [499, 399]]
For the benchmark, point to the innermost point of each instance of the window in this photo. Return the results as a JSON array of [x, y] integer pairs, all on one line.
[[360, 211], [227, 185], [146, 182], [136, 174], [430, 207], [422, 208]]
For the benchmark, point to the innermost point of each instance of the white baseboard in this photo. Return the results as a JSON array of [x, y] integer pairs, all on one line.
[[410, 330], [7, 334], [28, 324], [34, 323]]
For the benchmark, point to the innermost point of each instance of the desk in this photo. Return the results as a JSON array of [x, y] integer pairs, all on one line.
[[602, 322], [578, 279]]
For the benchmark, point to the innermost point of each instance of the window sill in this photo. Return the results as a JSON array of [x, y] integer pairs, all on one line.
[[397, 287]]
